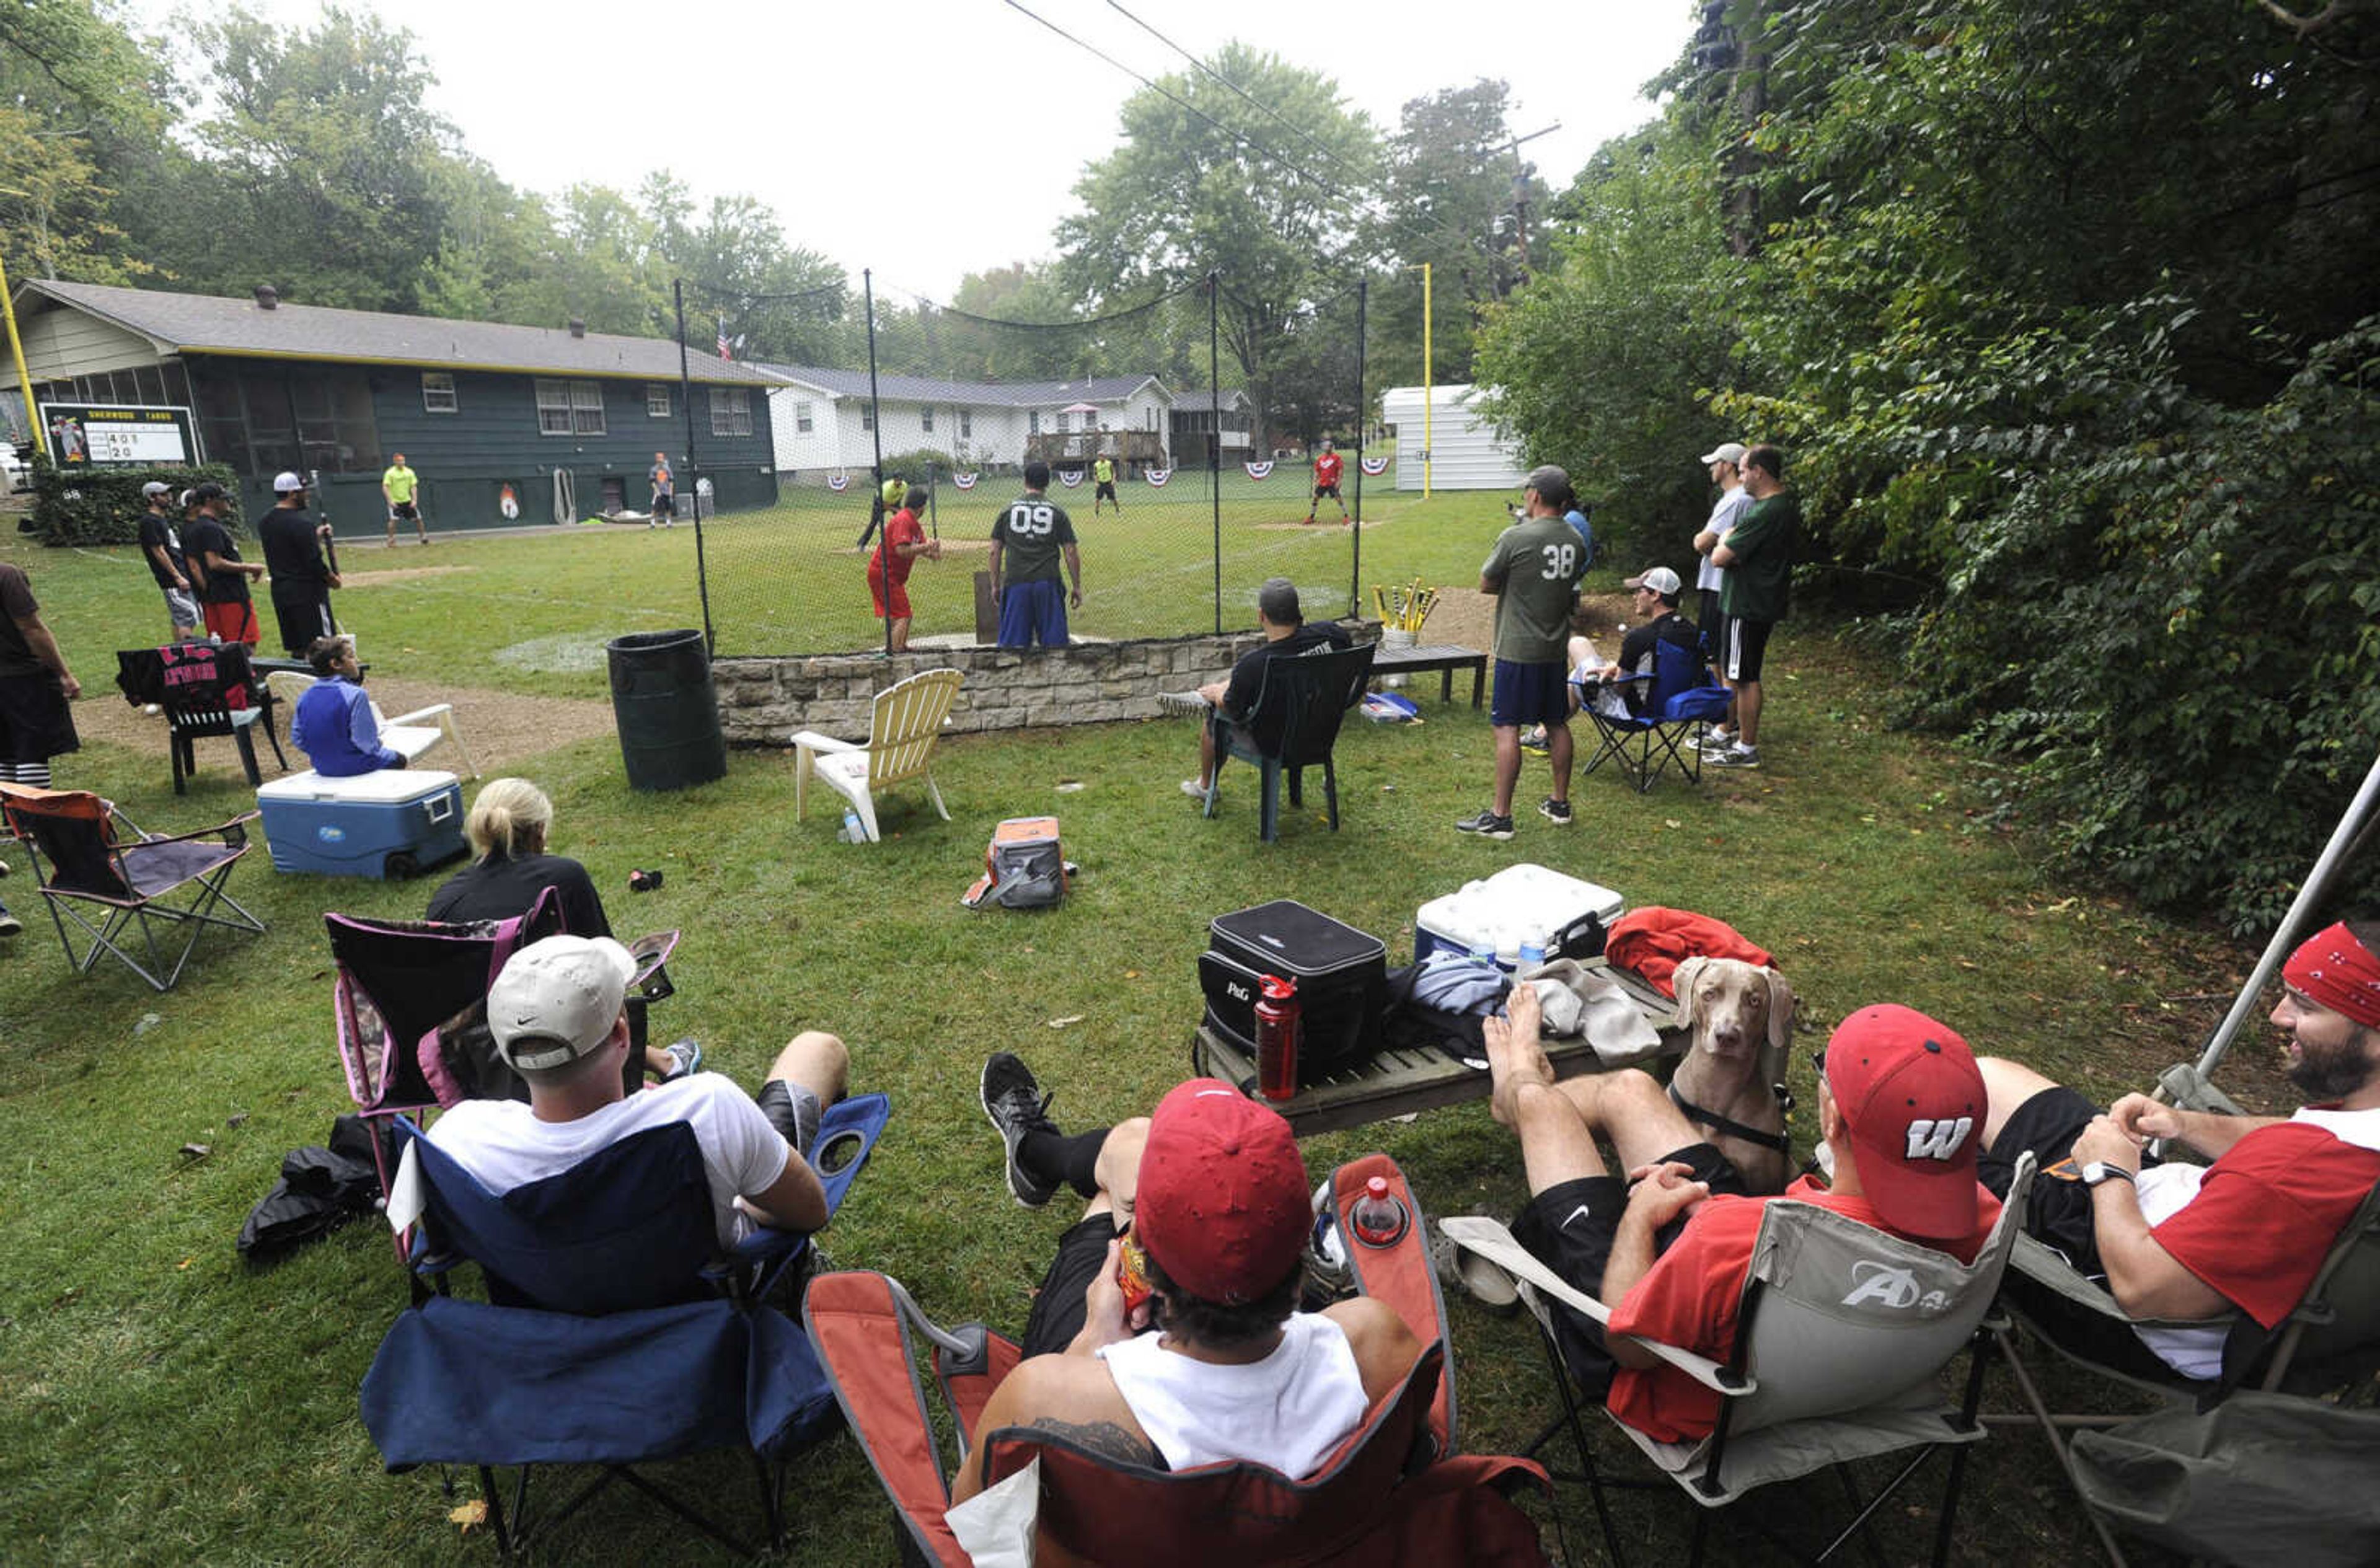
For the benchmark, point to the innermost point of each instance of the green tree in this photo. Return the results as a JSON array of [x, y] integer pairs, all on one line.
[[788, 304], [78, 93], [1449, 203]]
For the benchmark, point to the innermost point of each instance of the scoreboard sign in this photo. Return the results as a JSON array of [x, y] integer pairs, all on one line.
[[83, 434]]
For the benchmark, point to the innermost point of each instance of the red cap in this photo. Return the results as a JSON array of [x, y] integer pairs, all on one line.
[[1222, 1204], [1910, 1091]]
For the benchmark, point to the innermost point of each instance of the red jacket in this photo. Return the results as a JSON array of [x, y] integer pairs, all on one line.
[[1654, 942]]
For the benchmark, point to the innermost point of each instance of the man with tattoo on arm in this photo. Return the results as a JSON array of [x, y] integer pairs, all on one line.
[[1216, 1364]]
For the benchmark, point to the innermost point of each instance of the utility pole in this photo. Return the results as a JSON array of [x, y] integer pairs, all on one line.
[[1520, 173]]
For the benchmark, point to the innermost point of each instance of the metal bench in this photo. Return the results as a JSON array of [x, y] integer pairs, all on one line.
[[1445, 657]]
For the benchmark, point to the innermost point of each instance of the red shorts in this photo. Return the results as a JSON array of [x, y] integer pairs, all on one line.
[[900, 597], [233, 623]]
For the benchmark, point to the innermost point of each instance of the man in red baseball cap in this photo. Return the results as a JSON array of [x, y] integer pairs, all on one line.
[[1218, 1363], [2246, 1233], [1900, 1104]]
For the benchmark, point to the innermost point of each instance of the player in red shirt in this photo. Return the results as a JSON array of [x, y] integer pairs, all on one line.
[[888, 570], [2248, 1231], [1900, 1104], [1327, 469]]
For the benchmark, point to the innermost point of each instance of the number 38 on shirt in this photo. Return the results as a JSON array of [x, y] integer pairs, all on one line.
[[1561, 560]]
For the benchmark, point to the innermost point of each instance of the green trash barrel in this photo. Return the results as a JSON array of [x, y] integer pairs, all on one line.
[[668, 718]]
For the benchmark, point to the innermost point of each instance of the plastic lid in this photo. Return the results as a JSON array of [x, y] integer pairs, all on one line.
[[1279, 987], [1377, 1187]]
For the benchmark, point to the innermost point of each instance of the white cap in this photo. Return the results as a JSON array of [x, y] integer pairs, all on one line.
[[282, 484], [1660, 579], [154, 488], [1726, 452], [557, 1000]]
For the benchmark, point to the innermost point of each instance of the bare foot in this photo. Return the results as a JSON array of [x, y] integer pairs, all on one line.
[[1515, 1060], [1528, 1018]]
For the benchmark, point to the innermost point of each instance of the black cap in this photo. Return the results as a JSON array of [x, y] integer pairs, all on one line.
[[209, 492]]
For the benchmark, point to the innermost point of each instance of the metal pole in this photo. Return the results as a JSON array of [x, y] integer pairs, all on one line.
[[1428, 399], [685, 396], [1215, 442], [24, 380], [875, 433], [1356, 572], [2361, 816]]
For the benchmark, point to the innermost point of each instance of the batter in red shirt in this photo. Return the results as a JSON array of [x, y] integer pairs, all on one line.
[[1327, 469], [896, 552]]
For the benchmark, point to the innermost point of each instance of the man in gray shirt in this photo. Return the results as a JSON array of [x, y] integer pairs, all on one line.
[[1534, 572]]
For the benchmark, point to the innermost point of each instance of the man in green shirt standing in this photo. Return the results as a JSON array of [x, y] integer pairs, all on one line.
[[1758, 556], [1534, 572], [1103, 484], [402, 487]]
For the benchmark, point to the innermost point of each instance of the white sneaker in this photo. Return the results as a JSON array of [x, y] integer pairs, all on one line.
[[1736, 756], [1193, 789]]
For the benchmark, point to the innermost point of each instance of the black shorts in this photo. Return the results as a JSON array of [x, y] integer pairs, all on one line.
[[1569, 1228], [1058, 1312], [1104, 488], [665, 507], [35, 723], [405, 509], [1322, 490], [1743, 646], [304, 616], [793, 1111], [1529, 693], [1714, 622]]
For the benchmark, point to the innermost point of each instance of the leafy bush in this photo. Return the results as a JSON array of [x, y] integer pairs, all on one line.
[[103, 505]]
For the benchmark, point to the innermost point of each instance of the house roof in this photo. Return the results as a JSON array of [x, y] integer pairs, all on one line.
[[208, 324], [982, 394], [1232, 398]]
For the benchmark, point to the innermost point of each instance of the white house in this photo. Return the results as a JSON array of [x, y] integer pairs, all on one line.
[[822, 417], [1465, 452]]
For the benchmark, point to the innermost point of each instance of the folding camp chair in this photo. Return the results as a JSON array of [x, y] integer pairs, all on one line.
[[97, 869], [1309, 695], [206, 689], [1842, 1334], [906, 721], [1393, 1492], [613, 1333], [409, 734], [1678, 702], [2140, 1470]]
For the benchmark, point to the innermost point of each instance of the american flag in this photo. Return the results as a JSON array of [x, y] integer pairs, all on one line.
[[726, 349]]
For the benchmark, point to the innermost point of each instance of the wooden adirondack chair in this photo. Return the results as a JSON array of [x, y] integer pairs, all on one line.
[[908, 721]]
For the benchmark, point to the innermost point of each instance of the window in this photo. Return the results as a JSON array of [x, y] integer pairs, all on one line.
[[1033, 421], [438, 392], [966, 423], [569, 408], [802, 417], [1062, 421], [656, 401], [336, 431], [731, 411], [867, 416], [926, 417]]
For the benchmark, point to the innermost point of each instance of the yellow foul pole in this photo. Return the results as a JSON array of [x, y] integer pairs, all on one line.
[[1428, 403], [16, 352]]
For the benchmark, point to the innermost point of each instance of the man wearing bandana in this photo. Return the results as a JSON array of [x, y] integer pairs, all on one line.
[[2246, 1231]]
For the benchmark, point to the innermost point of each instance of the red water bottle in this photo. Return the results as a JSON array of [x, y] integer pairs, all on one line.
[[1277, 1017], [1376, 1217]]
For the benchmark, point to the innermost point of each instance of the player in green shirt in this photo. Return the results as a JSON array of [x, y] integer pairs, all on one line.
[[1533, 572], [1104, 485], [401, 487], [1758, 556]]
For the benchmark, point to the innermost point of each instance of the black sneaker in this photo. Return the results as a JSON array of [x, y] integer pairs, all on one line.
[[1013, 1099], [1554, 811], [1487, 825]]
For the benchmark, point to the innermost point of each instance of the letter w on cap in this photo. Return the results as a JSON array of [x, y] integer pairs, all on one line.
[[1931, 1139]]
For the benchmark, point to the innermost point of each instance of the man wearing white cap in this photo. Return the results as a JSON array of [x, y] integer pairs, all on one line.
[[1725, 462], [302, 580], [1656, 594], [556, 1015]]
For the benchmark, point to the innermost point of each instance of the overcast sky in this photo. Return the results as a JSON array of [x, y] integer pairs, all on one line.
[[965, 114]]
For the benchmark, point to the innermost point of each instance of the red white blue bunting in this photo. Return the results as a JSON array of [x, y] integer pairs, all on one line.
[[836, 481], [1375, 467], [1157, 476], [965, 481], [1071, 477], [1258, 470]]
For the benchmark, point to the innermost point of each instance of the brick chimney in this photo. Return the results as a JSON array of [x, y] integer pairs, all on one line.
[[267, 297]]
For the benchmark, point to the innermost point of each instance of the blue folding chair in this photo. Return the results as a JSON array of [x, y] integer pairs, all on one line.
[[1679, 700], [613, 1335]]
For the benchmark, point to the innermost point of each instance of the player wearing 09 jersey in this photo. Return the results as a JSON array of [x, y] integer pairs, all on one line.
[[1534, 572], [1026, 542]]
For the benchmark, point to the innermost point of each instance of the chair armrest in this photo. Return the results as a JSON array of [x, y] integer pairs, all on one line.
[[422, 715], [238, 825], [811, 740], [1492, 1241], [2047, 1269]]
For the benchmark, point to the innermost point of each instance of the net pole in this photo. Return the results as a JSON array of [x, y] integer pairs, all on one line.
[[876, 442], [685, 396], [1215, 441], [1356, 572]]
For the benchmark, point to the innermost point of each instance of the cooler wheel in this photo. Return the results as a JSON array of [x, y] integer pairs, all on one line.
[[401, 866]]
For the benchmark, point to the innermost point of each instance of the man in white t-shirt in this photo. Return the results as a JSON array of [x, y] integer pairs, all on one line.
[[1725, 462], [556, 1013]]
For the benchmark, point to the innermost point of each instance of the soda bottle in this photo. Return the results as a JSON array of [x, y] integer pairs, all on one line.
[[1132, 1273], [1378, 1218], [1276, 1018]]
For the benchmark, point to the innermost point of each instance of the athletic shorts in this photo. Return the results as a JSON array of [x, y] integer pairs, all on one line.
[[182, 609], [1322, 490], [1529, 693], [665, 507], [1714, 622], [304, 616], [1058, 1312], [1104, 488], [35, 723], [900, 597], [405, 510], [1569, 1228], [233, 623], [793, 1111], [1031, 612], [1744, 648]]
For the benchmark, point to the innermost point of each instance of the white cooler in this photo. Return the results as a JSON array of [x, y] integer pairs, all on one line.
[[1520, 905]]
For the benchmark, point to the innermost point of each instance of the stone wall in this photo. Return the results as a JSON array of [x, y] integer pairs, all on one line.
[[763, 702]]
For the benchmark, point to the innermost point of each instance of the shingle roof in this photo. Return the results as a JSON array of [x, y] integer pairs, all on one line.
[[216, 324], [1204, 402], [983, 394]]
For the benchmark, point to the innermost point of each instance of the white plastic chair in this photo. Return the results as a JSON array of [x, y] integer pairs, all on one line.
[[908, 720], [407, 735]]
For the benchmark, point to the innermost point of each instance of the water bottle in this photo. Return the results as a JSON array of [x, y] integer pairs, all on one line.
[[1533, 953], [1378, 1218], [852, 831], [1277, 1019]]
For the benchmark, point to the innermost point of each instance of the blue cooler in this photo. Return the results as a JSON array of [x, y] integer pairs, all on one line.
[[389, 824]]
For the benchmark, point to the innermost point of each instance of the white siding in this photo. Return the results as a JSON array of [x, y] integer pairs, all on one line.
[[60, 342], [817, 450], [1466, 453]]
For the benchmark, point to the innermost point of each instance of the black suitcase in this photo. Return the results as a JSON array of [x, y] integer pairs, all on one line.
[[1341, 976]]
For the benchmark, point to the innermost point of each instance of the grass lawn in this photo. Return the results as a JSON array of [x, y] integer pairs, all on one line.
[[162, 1402]]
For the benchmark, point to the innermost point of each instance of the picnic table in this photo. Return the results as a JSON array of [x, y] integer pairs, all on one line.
[[1396, 1082], [1445, 657]]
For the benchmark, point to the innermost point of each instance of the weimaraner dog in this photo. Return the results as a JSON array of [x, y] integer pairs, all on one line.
[[1742, 1017]]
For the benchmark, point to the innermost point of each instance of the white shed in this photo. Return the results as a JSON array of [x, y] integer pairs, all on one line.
[[1465, 451]]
